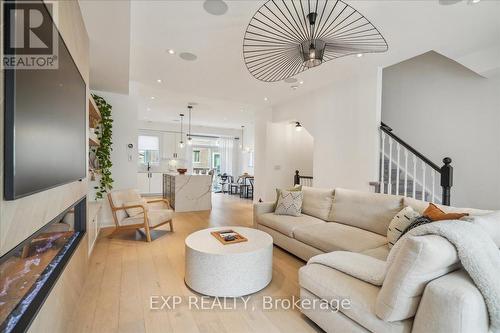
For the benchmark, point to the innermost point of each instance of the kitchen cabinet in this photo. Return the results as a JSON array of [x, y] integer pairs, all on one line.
[[143, 182], [149, 183], [155, 183]]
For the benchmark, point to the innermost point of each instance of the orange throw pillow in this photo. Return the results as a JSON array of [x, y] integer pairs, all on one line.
[[435, 214]]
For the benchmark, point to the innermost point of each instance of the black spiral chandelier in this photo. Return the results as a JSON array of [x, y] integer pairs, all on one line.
[[286, 37]]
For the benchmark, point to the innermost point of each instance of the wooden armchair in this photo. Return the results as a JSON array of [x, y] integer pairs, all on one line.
[[151, 217]]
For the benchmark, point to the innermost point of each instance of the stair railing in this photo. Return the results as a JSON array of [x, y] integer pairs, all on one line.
[[302, 180], [415, 173]]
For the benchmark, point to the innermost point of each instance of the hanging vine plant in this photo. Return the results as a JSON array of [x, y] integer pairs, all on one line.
[[103, 152]]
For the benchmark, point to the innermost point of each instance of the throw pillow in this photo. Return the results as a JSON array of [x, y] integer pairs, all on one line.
[[289, 203], [136, 211], [421, 220], [399, 223], [295, 188], [436, 214]]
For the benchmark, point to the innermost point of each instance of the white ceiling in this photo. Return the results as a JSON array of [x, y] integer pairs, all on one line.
[[219, 81]]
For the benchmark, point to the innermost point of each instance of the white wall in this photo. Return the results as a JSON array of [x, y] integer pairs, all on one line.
[[343, 119], [443, 109]]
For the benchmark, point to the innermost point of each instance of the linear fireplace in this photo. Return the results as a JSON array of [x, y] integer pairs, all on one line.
[[29, 271]]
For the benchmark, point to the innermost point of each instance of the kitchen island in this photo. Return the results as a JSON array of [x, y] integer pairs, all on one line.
[[188, 193]]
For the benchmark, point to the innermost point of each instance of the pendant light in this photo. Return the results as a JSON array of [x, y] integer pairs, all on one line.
[[181, 143], [285, 38], [189, 139]]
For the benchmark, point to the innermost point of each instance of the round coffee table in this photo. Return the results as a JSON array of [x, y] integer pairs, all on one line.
[[232, 270]]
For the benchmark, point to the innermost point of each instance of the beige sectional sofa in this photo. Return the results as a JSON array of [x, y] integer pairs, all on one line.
[[423, 290]]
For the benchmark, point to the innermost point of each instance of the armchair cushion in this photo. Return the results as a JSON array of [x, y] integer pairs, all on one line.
[[155, 217], [136, 210], [357, 265], [119, 197]]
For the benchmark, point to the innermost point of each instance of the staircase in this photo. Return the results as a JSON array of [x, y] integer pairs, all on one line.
[[400, 186], [405, 171]]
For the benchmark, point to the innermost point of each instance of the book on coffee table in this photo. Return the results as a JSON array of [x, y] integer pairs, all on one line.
[[228, 236]]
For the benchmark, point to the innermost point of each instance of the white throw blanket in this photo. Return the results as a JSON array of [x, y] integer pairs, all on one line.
[[478, 254]]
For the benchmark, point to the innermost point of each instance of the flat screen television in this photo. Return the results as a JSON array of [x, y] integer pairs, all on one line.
[[44, 125]]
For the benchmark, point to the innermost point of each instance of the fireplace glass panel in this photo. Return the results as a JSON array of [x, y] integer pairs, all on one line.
[[24, 270]]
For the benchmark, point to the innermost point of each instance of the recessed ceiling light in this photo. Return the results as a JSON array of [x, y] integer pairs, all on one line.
[[359, 55], [475, 1], [159, 80], [265, 98], [301, 82], [215, 7], [152, 97], [290, 80], [294, 87], [188, 56], [170, 51]]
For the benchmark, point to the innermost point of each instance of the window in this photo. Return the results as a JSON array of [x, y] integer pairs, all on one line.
[[149, 149], [216, 162], [196, 156]]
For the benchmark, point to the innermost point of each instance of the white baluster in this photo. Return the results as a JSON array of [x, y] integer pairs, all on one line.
[[390, 165], [433, 175], [406, 172], [398, 148], [382, 165], [423, 181], [414, 175]]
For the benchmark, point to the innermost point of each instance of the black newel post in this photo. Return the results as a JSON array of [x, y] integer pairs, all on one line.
[[446, 180], [296, 178]]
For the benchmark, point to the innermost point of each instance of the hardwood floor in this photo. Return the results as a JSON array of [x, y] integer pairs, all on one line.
[[125, 273]]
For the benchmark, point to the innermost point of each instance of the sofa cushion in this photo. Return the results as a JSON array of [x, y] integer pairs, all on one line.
[[413, 265], [451, 303], [420, 206], [287, 224], [333, 236], [380, 252], [327, 283], [365, 210], [317, 202]]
